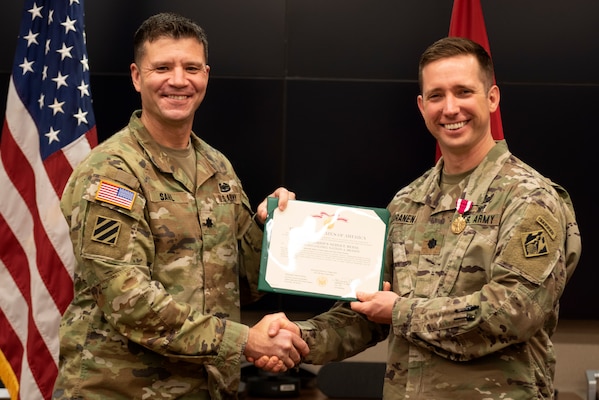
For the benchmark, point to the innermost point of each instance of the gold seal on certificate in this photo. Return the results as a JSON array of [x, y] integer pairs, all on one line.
[[323, 250]]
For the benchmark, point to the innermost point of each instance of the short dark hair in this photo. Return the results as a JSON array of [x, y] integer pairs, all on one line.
[[457, 46], [167, 25]]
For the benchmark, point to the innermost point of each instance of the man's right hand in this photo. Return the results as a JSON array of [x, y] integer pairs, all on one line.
[[274, 344]]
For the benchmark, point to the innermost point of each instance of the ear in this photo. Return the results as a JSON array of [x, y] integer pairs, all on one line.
[[420, 102], [493, 98], [135, 76]]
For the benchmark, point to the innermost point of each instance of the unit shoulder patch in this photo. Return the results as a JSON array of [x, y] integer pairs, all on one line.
[[107, 233], [106, 230], [534, 244]]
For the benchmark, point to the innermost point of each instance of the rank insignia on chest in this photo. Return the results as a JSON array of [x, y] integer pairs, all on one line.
[[115, 194], [208, 223]]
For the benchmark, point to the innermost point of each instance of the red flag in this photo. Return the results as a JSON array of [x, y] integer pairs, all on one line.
[[467, 21], [48, 129]]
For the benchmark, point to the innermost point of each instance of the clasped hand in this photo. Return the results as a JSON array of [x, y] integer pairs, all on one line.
[[274, 344], [377, 306]]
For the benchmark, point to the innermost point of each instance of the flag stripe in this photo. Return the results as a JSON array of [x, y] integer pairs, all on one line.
[[58, 170], [29, 296], [49, 128], [10, 344], [39, 197], [77, 151], [60, 164], [16, 292]]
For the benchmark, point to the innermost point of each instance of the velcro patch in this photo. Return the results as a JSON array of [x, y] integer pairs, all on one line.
[[227, 198], [115, 194], [102, 239], [432, 245], [174, 197], [530, 250], [404, 218], [106, 230], [534, 244], [483, 219]]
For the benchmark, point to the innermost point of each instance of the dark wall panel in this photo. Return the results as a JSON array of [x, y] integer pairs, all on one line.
[[244, 119], [245, 37], [10, 21], [544, 41], [354, 142], [114, 99], [532, 116], [360, 39]]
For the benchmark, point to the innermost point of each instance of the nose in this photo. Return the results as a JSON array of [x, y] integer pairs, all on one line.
[[451, 105], [178, 77]]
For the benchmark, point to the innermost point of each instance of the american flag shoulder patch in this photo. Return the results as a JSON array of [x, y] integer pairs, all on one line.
[[118, 195]]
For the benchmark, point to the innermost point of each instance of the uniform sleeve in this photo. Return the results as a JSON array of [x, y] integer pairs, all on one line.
[[339, 333], [250, 250], [525, 281]]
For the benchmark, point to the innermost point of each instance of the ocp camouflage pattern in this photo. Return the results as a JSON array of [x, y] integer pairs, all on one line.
[[157, 287], [477, 309]]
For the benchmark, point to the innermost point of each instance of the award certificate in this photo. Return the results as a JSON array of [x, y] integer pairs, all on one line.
[[323, 250]]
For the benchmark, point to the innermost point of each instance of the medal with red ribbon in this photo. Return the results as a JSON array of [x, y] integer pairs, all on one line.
[[459, 223]]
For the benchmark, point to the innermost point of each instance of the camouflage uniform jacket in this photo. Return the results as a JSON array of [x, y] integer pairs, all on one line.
[[156, 305], [477, 308]]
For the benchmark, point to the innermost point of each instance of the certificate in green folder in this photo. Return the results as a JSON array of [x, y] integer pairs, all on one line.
[[323, 250]]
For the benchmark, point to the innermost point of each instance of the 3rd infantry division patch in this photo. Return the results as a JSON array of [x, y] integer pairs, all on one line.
[[106, 230]]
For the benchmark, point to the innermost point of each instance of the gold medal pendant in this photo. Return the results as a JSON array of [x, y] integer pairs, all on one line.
[[458, 225]]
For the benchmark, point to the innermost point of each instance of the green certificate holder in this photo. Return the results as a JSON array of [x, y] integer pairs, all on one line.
[[323, 250]]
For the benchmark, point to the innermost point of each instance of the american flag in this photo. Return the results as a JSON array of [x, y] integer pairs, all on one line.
[[48, 129], [115, 194]]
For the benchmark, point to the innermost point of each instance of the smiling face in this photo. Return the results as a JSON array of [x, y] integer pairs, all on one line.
[[456, 105], [171, 77]]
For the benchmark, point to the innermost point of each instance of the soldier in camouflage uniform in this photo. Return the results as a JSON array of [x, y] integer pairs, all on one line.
[[165, 241], [479, 251]]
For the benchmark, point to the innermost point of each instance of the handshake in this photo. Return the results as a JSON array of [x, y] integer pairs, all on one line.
[[274, 344]]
